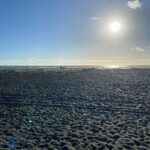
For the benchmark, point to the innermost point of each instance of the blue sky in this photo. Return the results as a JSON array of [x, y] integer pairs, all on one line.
[[73, 32]]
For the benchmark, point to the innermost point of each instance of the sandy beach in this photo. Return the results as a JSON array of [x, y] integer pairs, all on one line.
[[87, 109]]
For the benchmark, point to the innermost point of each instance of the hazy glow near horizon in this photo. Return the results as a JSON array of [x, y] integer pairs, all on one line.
[[113, 66]]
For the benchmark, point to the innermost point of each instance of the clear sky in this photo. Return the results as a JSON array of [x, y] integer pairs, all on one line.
[[74, 32]]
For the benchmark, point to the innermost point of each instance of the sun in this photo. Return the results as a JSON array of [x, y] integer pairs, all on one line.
[[115, 27]]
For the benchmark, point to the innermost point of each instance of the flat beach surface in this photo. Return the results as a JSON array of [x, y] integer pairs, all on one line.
[[86, 109]]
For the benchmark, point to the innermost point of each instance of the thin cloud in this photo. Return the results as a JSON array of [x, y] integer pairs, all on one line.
[[94, 18], [115, 58], [134, 4], [138, 49]]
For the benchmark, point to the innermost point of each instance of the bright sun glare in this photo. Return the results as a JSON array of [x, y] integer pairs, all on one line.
[[115, 27]]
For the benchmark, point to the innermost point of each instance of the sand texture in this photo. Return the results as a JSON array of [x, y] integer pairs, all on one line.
[[89, 109]]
